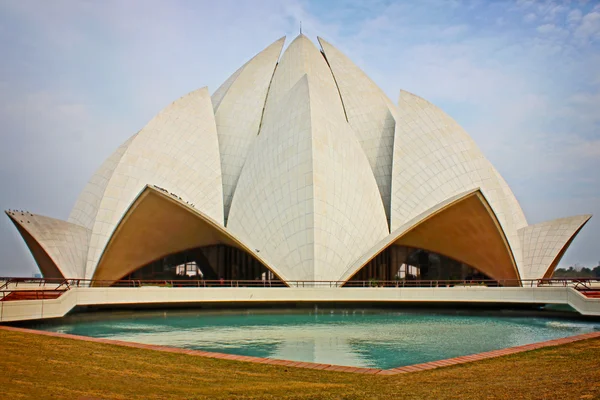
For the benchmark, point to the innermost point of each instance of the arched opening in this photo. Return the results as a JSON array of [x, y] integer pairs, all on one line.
[[159, 232], [407, 265], [208, 263], [462, 229]]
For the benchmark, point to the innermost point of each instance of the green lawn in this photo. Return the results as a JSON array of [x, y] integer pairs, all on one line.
[[35, 366]]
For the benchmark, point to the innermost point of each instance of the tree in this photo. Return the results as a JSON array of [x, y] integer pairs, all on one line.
[[596, 271]]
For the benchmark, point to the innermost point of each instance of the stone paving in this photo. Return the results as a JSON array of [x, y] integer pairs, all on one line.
[[324, 367]]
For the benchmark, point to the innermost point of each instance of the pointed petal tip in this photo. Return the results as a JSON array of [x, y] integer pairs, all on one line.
[[409, 95], [322, 41], [301, 36], [279, 42], [203, 91]]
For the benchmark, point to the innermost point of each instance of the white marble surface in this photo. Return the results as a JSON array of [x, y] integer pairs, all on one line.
[[307, 197], [238, 106], [65, 243], [543, 242], [434, 159], [86, 208], [307, 161], [369, 113], [178, 150]]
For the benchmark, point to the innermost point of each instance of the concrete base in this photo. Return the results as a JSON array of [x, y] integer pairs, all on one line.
[[148, 295]]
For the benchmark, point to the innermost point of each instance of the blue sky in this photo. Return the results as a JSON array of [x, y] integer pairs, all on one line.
[[77, 78]]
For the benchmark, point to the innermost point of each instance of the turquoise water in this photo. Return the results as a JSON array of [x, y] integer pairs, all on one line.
[[344, 337]]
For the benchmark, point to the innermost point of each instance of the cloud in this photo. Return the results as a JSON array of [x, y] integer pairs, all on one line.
[[574, 16], [455, 30], [551, 29], [589, 29], [586, 148]]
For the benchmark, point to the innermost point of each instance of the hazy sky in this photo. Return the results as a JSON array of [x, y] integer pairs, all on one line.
[[77, 78]]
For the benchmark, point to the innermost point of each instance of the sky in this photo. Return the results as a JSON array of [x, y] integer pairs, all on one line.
[[77, 78]]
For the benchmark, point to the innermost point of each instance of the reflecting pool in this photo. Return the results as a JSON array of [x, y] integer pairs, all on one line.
[[362, 338]]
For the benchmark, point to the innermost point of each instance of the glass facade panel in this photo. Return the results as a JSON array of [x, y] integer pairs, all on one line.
[[405, 264], [211, 263]]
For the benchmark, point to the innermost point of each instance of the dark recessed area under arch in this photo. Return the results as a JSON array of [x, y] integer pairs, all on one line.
[[402, 263], [209, 263]]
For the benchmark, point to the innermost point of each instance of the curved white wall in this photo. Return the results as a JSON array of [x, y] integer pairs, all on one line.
[[543, 243], [178, 150], [238, 107], [86, 208], [368, 112], [307, 198], [65, 243], [435, 159]]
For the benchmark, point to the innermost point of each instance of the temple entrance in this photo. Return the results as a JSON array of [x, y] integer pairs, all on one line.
[[210, 263], [406, 264]]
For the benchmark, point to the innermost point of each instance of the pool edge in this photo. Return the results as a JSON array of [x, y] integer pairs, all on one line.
[[318, 366]]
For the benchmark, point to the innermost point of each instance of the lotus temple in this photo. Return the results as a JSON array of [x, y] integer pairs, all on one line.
[[297, 170]]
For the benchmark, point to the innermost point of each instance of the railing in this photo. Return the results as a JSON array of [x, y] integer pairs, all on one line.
[[65, 284], [35, 294], [10, 290]]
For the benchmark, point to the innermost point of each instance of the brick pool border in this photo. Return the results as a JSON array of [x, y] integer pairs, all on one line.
[[323, 367]]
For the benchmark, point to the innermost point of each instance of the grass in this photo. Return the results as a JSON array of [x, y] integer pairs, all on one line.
[[35, 366]]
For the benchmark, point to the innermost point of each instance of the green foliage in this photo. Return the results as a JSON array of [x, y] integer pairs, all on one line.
[[574, 273]]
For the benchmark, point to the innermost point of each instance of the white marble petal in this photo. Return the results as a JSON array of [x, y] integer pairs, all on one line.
[[238, 106], [86, 208], [434, 159], [178, 151], [304, 159], [307, 198], [370, 114], [65, 243], [544, 244]]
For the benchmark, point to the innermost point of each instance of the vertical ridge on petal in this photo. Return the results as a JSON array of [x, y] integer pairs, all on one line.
[[306, 196], [272, 209], [238, 107], [368, 112], [299, 59]]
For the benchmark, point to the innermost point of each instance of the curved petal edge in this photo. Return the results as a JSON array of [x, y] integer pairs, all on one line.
[[464, 228], [177, 150], [544, 244], [370, 114], [434, 158], [58, 247], [307, 197], [156, 225], [86, 207], [238, 114]]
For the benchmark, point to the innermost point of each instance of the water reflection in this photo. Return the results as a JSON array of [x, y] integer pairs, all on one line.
[[382, 339]]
